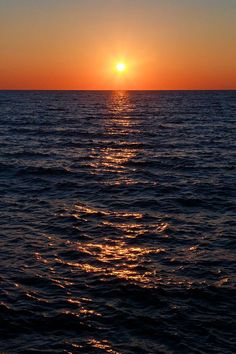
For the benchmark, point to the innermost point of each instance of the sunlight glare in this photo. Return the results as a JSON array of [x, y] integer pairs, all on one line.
[[120, 67]]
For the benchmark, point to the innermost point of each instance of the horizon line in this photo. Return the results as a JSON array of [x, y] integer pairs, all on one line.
[[109, 90]]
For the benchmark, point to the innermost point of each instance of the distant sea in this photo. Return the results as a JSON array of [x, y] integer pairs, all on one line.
[[118, 222]]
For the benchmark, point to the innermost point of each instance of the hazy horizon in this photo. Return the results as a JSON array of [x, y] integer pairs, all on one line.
[[126, 90]]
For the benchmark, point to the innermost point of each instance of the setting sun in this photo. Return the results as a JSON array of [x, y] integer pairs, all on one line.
[[120, 67]]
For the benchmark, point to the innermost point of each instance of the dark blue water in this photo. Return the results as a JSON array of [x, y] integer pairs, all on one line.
[[117, 222]]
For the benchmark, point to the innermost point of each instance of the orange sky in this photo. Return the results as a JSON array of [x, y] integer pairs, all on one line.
[[75, 44]]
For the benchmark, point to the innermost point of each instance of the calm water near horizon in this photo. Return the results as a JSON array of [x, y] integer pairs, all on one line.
[[117, 222]]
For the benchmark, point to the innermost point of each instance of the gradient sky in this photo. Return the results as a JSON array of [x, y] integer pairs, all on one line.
[[75, 44]]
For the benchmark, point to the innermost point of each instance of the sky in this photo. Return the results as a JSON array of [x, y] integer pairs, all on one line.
[[76, 44]]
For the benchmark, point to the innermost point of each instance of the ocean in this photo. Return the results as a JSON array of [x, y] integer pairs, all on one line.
[[117, 222]]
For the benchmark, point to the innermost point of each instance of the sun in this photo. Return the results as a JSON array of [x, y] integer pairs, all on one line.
[[120, 67]]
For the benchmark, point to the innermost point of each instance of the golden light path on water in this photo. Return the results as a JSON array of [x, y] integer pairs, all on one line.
[[115, 257], [119, 123]]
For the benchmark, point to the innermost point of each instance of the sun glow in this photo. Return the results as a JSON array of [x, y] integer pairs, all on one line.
[[120, 67]]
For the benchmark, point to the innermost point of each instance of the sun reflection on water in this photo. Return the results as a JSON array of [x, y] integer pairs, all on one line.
[[112, 157], [102, 345], [116, 250], [112, 255]]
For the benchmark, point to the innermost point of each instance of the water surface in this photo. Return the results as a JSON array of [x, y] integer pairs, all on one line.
[[117, 222]]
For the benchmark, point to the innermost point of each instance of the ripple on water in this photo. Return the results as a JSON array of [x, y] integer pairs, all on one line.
[[118, 221]]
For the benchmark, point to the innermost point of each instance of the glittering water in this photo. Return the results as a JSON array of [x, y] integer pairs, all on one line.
[[117, 222]]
